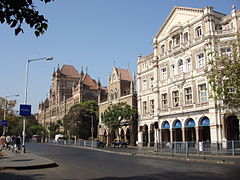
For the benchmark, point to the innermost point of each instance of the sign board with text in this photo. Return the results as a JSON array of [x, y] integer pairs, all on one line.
[[4, 122], [25, 110]]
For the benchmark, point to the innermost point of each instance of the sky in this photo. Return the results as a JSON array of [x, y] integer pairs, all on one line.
[[85, 33]]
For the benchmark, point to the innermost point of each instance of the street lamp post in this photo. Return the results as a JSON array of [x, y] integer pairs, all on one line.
[[26, 93], [5, 108]]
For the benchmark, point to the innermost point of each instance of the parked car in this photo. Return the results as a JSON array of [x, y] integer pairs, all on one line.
[[119, 143], [100, 143]]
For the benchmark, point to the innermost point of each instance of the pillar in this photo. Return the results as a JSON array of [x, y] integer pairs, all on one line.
[[197, 133], [171, 135], [183, 135]]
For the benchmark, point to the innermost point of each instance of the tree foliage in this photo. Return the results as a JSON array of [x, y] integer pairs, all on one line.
[[54, 128], [78, 120], [17, 12], [115, 113], [224, 76]]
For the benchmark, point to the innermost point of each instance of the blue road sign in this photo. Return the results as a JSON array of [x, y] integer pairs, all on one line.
[[4, 122], [25, 110]]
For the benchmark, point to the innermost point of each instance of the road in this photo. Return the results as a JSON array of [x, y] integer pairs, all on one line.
[[77, 163]]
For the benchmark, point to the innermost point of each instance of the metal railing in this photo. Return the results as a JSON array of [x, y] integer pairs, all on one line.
[[201, 148], [86, 143]]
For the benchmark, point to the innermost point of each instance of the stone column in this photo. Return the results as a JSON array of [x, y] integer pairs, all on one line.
[[149, 138], [183, 134], [197, 133], [140, 138], [171, 135]]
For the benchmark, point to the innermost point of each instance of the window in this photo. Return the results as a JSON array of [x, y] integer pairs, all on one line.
[[164, 101], [200, 60], [162, 49], [175, 95], [152, 106], [170, 44], [188, 65], [185, 37], [152, 82], [202, 90], [180, 66], [188, 95], [164, 73], [112, 95], [144, 85], [226, 51], [144, 107], [198, 32], [176, 40], [173, 69]]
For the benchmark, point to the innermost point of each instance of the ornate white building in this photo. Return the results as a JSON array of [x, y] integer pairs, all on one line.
[[173, 92]]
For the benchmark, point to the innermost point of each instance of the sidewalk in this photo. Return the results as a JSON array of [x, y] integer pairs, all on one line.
[[9, 160]]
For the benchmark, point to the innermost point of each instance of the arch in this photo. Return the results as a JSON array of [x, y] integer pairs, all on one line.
[[204, 129], [145, 135], [177, 130], [165, 125], [177, 124], [232, 127], [190, 134], [165, 132], [190, 123], [204, 121], [151, 140]]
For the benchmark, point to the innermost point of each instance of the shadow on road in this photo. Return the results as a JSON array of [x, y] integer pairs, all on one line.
[[13, 176], [176, 175]]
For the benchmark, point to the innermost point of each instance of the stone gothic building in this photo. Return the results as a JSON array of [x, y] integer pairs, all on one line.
[[121, 88], [68, 88], [173, 92]]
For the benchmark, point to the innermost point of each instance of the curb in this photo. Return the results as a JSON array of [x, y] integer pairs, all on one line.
[[49, 164], [30, 167]]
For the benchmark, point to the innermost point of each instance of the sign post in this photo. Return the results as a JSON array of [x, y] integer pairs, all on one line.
[[25, 110]]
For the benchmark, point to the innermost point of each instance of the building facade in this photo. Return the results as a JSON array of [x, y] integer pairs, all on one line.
[[173, 92], [68, 88], [121, 88]]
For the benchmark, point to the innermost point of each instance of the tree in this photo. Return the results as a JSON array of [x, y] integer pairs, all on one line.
[[224, 76], [77, 122], [116, 113], [16, 12], [36, 130], [54, 128]]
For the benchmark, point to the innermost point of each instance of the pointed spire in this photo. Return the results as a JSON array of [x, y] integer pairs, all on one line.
[[86, 69], [99, 83], [54, 73], [82, 73]]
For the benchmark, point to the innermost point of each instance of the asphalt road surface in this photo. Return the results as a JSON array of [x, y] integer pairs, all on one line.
[[77, 163]]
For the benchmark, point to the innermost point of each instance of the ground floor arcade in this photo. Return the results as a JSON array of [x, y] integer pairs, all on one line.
[[190, 129]]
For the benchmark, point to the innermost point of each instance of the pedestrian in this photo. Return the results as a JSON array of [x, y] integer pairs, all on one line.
[[1, 143], [8, 141], [17, 144]]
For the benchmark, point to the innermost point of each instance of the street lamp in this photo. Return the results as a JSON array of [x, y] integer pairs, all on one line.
[[5, 107], [26, 92]]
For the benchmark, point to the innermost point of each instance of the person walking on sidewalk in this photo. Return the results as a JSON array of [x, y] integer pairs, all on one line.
[[17, 144], [8, 141]]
